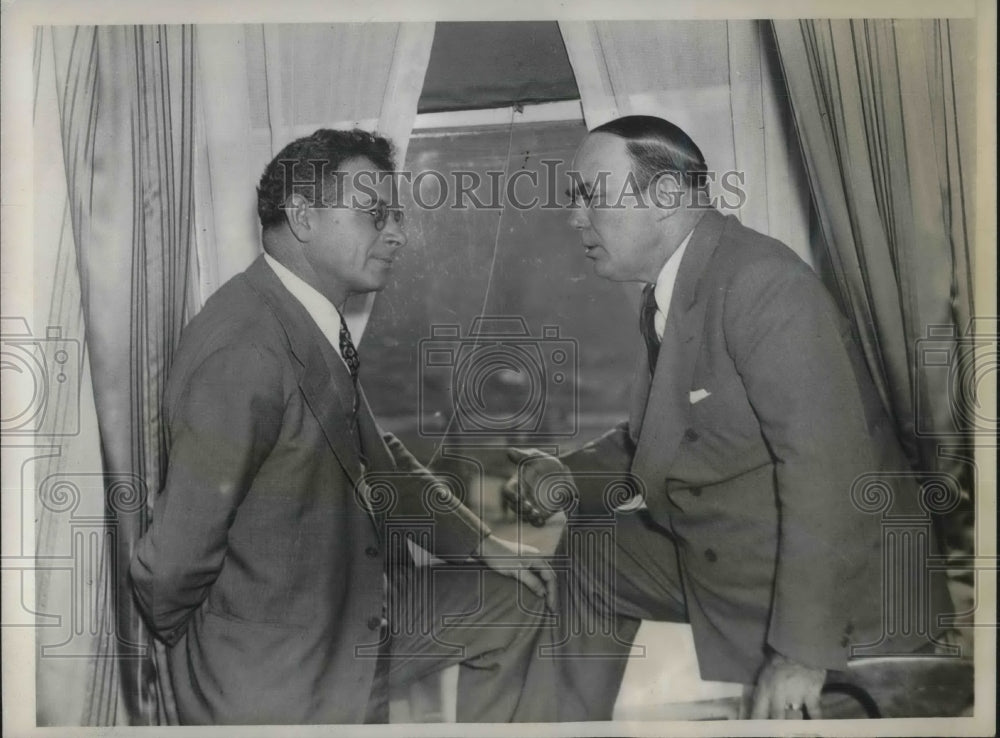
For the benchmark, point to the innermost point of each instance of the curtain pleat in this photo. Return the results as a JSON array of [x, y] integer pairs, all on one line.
[[885, 113]]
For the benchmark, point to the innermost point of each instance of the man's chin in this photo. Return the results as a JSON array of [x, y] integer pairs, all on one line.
[[378, 277], [601, 270], [373, 285]]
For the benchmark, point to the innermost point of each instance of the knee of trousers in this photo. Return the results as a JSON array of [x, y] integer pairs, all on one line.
[[585, 558]]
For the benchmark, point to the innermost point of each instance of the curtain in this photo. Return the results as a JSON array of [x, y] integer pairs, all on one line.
[[122, 126], [73, 611], [148, 142], [720, 82], [885, 114]]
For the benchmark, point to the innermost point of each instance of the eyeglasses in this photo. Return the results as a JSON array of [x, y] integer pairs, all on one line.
[[380, 213]]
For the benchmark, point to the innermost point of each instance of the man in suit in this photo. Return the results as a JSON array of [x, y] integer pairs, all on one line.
[[753, 417], [276, 567]]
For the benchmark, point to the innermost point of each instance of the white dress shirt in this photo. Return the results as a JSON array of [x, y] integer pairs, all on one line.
[[664, 289], [321, 310]]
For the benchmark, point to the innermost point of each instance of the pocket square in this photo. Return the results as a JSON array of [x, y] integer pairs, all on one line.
[[698, 395]]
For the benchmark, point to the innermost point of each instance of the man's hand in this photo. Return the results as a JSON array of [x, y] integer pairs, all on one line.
[[523, 563], [784, 687], [540, 486]]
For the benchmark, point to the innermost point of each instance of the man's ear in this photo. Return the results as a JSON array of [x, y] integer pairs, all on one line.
[[667, 191], [299, 215]]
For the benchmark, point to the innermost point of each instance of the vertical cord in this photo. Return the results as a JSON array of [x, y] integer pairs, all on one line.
[[457, 391]]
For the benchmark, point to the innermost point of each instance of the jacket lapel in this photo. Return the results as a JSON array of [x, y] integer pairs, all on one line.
[[372, 444], [324, 380], [668, 407]]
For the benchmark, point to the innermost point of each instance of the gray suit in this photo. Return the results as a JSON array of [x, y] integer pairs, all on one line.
[[751, 533], [263, 566]]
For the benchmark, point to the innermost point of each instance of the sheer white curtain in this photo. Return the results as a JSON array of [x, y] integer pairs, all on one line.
[[263, 86], [719, 81], [61, 486]]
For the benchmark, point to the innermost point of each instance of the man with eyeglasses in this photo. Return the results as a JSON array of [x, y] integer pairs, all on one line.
[[276, 567]]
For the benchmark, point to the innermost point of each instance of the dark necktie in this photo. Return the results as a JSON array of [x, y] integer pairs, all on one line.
[[647, 326], [348, 351]]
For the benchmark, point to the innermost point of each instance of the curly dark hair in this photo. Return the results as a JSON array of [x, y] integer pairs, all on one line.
[[298, 167]]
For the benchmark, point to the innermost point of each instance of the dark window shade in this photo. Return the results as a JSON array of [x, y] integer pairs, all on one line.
[[492, 65]]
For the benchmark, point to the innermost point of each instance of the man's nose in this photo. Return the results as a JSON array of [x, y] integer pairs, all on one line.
[[394, 234], [577, 218]]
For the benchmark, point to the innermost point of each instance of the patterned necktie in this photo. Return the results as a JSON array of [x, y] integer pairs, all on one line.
[[348, 351], [647, 325]]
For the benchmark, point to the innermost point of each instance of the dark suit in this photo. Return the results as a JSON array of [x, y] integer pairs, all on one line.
[[751, 533], [263, 566]]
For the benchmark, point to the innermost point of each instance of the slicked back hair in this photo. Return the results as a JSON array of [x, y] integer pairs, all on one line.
[[657, 147], [307, 167]]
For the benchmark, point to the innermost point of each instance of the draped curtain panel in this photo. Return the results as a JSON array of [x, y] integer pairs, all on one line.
[[125, 132], [721, 83], [148, 145], [885, 111], [73, 613]]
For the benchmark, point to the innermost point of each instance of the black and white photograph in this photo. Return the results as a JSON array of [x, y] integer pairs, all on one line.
[[513, 369]]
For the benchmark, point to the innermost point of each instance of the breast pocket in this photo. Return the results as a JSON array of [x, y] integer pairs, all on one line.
[[725, 436], [720, 405]]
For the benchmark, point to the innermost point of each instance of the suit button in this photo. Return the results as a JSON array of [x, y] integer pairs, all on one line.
[[845, 642], [710, 556], [374, 623], [695, 491], [849, 629], [371, 552], [691, 435]]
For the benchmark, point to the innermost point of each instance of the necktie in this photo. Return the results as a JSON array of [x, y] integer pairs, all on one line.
[[348, 351], [647, 325]]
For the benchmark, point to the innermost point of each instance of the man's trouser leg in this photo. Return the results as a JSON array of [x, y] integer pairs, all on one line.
[[612, 573], [484, 621]]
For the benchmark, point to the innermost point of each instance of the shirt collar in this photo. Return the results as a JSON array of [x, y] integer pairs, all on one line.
[[321, 310], [668, 275]]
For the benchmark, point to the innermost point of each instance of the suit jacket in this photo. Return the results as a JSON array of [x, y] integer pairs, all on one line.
[[754, 481], [263, 566]]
